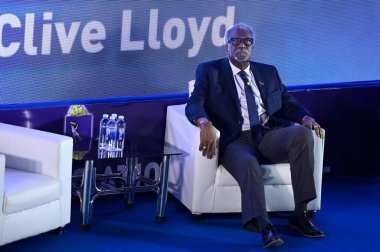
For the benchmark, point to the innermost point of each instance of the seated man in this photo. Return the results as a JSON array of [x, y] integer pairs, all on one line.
[[257, 118]]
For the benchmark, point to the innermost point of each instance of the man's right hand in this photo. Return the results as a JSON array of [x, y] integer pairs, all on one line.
[[207, 137]]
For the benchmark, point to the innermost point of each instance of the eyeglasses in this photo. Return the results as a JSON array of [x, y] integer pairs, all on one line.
[[237, 41]]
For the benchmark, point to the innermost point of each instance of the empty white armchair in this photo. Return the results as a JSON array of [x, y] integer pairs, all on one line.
[[35, 182], [203, 186]]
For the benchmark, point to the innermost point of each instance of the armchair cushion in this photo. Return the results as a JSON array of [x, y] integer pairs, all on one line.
[[25, 190]]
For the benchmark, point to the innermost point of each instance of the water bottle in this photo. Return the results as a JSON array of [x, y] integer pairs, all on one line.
[[102, 132], [120, 133], [111, 134]]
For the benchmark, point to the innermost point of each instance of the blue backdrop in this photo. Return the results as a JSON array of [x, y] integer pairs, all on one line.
[[77, 49]]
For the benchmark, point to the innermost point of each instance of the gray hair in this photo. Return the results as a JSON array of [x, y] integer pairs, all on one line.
[[242, 26]]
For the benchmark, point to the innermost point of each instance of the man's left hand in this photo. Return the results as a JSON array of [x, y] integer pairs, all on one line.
[[312, 124]]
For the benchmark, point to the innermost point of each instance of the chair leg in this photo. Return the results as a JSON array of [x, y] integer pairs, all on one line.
[[198, 217], [57, 231]]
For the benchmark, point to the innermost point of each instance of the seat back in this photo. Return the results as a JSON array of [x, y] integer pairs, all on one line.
[[191, 86]]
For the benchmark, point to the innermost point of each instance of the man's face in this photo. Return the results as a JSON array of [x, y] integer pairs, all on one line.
[[238, 48]]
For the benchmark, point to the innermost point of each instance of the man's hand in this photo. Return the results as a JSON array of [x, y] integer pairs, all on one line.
[[207, 138], [312, 124]]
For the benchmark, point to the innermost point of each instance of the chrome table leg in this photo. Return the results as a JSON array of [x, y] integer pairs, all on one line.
[[163, 193], [87, 187]]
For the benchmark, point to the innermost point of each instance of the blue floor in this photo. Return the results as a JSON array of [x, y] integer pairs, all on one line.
[[350, 217]]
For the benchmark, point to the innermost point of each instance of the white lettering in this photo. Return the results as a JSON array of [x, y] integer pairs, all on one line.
[[153, 23], [197, 35], [91, 34], [167, 33], [46, 34], [152, 170], [29, 48], [220, 21], [66, 40], [14, 22], [126, 43]]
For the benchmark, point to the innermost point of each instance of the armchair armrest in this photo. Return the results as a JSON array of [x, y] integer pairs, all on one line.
[[2, 171], [319, 145], [197, 182], [36, 151]]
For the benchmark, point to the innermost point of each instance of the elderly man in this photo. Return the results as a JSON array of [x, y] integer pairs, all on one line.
[[257, 119]]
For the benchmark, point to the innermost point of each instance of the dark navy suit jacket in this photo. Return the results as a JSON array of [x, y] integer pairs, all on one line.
[[215, 97]]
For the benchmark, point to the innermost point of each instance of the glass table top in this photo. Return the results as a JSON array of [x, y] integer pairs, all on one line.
[[141, 149]]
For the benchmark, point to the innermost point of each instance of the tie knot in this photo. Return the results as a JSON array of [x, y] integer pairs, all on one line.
[[243, 76]]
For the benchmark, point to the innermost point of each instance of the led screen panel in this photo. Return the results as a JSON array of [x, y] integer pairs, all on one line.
[[72, 50]]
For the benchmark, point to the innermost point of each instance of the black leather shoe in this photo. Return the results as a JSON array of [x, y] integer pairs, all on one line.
[[271, 237], [304, 226]]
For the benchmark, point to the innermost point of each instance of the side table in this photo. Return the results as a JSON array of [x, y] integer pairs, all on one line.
[[90, 187]]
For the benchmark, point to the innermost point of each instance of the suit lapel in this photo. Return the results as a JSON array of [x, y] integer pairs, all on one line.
[[259, 82], [227, 82]]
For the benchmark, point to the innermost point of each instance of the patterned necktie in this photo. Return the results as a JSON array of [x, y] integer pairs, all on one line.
[[254, 119]]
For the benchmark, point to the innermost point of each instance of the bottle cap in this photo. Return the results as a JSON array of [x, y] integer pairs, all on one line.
[[121, 117], [105, 115]]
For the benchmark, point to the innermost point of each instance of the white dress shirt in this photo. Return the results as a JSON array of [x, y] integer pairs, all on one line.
[[243, 101]]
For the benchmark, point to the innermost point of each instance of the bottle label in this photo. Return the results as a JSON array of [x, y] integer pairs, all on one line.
[[120, 135], [110, 134]]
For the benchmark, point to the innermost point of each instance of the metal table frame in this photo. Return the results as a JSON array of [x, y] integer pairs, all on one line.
[[89, 191]]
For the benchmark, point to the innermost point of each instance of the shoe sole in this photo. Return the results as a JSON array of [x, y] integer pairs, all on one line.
[[275, 243], [306, 235]]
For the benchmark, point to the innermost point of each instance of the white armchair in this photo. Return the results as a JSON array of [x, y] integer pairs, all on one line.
[[204, 187], [35, 182]]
